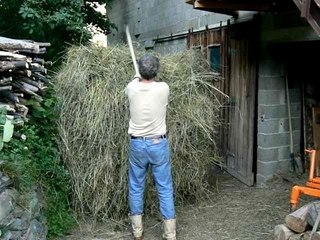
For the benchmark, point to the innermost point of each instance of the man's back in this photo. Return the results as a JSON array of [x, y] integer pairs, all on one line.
[[148, 104]]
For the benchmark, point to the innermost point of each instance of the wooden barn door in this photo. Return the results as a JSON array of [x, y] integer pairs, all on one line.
[[238, 71], [242, 106]]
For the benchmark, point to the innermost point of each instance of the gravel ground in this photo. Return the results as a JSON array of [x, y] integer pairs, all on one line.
[[234, 211]]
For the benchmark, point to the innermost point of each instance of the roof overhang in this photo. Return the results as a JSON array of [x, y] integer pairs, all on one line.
[[310, 9], [231, 7]]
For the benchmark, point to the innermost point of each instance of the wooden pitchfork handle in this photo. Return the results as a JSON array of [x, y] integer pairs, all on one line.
[[132, 51]]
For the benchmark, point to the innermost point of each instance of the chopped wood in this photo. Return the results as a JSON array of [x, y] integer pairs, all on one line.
[[297, 220], [22, 75], [26, 90], [12, 55], [9, 96], [39, 69], [306, 235], [31, 53], [26, 73], [30, 87], [22, 109], [43, 89], [5, 80], [43, 50], [37, 84], [43, 44], [48, 63], [38, 60], [315, 236], [18, 94], [297, 236], [40, 77], [23, 101], [10, 65], [282, 232], [2, 88], [313, 213], [15, 44]]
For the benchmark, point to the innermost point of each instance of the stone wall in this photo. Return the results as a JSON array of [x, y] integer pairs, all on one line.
[[20, 215]]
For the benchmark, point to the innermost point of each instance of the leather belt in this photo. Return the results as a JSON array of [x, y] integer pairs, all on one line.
[[147, 138]]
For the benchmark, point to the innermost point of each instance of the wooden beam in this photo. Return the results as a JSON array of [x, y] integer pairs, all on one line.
[[310, 10], [305, 8], [226, 12], [227, 5]]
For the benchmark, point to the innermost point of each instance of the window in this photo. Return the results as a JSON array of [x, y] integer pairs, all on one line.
[[215, 58]]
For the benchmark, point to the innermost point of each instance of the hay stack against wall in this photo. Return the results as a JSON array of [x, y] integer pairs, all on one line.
[[94, 121]]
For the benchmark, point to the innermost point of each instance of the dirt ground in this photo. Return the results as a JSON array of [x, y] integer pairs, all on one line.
[[234, 211]]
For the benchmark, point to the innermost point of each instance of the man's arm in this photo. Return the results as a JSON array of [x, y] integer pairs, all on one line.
[[136, 78]]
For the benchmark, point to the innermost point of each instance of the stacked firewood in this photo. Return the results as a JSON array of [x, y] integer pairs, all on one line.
[[303, 223], [23, 74]]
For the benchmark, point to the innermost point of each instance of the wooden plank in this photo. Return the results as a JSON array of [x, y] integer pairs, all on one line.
[[313, 16], [305, 8], [242, 124]]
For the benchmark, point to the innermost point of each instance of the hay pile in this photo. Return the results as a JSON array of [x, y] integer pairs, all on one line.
[[94, 120]]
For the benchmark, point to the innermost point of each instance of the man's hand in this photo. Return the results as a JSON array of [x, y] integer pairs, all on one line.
[[137, 76]]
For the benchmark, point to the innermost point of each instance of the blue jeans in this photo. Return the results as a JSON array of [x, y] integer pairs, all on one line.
[[156, 153]]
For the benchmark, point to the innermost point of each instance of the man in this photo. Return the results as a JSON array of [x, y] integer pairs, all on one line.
[[148, 101]]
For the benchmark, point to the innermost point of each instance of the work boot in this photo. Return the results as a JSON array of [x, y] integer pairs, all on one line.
[[137, 227], [169, 229]]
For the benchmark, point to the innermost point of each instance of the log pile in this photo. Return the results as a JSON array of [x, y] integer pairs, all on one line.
[[23, 75], [301, 224]]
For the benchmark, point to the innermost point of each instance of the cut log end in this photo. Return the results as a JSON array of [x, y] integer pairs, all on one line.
[[315, 236], [282, 232], [297, 220], [296, 223]]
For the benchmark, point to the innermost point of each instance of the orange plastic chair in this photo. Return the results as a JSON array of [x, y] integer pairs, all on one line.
[[312, 187]]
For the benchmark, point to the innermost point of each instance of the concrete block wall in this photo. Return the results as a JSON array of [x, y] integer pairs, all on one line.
[[273, 153], [148, 19], [273, 140]]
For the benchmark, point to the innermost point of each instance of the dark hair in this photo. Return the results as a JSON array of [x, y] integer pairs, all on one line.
[[148, 66]]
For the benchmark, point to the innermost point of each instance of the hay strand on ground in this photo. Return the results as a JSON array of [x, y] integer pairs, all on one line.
[[94, 121]]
